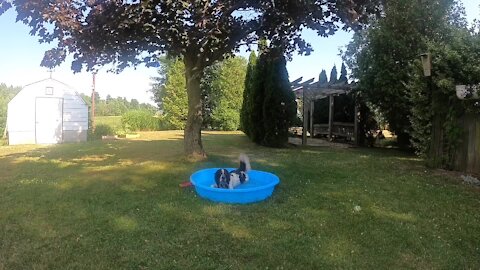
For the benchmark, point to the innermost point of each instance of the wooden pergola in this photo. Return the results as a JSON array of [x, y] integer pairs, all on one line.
[[309, 91]]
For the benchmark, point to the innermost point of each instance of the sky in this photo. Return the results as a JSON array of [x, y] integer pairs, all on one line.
[[21, 54]]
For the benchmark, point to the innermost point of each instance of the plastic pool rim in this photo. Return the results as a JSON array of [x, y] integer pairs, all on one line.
[[262, 191]]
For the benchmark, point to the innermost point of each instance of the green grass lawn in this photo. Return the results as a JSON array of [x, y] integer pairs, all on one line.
[[117, 205]]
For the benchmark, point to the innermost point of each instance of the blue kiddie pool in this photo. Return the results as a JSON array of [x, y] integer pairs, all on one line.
[[259, 187]]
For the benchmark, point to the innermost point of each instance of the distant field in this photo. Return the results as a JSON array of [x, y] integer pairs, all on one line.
[[113, 121]]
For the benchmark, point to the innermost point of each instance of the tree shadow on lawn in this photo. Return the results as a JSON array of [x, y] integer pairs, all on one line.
[[111, 223], [87, 207]]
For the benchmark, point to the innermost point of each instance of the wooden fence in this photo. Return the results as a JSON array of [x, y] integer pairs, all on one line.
[[468, 153]]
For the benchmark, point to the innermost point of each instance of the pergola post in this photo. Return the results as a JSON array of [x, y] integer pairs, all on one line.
[[330, 117], [305, 124], [312, 105]]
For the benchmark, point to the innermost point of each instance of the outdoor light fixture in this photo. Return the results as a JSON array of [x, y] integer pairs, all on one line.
[[468, 91], [427, 64]]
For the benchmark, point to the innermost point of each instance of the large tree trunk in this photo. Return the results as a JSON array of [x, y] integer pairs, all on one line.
[[192, 133]]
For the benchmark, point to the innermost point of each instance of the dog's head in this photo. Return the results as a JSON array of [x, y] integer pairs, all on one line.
[[222, 178]]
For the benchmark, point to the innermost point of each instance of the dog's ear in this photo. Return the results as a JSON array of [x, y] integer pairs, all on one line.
[[218, 174]]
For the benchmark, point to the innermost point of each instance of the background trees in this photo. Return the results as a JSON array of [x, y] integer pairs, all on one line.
[[226, 93], [436, 113], [170, 93], [381, 57], [6, 94], [116, 106], [385, 59], [222, 89]]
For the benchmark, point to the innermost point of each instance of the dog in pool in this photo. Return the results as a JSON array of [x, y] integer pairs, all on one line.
[[232, 179]]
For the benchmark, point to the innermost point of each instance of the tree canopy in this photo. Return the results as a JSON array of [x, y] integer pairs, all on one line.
[[132, 32], [128, 33]]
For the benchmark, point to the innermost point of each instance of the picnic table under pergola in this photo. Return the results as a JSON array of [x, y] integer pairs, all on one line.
[[309, 91]]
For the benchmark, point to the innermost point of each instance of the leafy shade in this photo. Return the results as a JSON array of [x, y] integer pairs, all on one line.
[[131, 32]]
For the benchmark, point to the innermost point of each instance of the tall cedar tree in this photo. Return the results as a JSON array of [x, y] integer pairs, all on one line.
[[322, 79], [245, 123], [257, 98], [320, 114], [279, 105], [344, 108], [333, 75], [128, 33], [343, 74]]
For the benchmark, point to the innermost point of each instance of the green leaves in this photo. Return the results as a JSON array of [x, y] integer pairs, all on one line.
[[382, 56], [222, 87], [172, 94], [126, 32], [6, 94], [227, 93]]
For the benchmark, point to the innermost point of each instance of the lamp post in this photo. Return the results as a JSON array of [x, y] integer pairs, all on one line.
[[435, 139], [427, 72], [427, 64]]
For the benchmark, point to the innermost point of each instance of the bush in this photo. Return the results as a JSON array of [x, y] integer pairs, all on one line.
[[139, 120], [101, 130]]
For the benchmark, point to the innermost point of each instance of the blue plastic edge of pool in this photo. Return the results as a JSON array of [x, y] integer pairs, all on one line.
[[235, 196]]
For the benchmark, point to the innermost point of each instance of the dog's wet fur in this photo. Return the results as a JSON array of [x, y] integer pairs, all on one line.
[[230, 180]]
